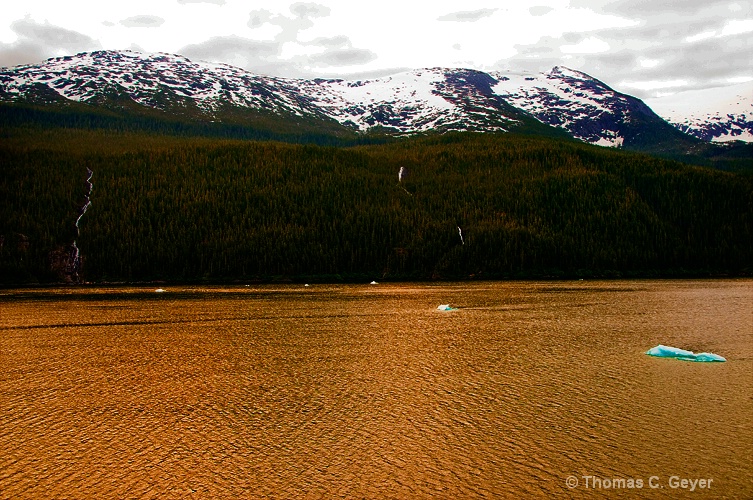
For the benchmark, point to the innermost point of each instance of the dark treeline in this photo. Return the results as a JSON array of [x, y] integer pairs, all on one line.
[[235, 124], [182, 209]]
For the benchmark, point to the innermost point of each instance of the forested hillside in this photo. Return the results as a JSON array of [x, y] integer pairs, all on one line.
[[192, 209]]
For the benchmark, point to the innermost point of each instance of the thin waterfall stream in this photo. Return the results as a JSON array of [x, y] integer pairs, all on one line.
[[74, 261]]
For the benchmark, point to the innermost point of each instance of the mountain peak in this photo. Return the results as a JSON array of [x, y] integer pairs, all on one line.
[[565, 72]]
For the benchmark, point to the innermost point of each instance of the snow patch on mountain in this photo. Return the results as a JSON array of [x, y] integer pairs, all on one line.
[[406, 101], [719, 114], [410, 102]]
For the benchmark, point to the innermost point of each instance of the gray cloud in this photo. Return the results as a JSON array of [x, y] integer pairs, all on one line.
[[143, 22], [303, 15], [698, 61], [37, 41], [334, 42], [343, 57], [573, 37], [257, 56], [230, 47], [540, 10], [546, 46], [49, 34], [215, 2], [675, 58], [659, 32], [467, 16], [264, 57], [642, 9], [662, 46], [338, 50], [694, 65], [259, 18], [309, 9]]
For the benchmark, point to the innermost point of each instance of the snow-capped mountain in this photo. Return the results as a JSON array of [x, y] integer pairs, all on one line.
[[158, 81], [720, 114], [586, 107], [418, 101], [434, 99]]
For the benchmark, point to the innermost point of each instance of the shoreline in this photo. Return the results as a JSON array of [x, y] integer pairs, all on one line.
[[360, 279]]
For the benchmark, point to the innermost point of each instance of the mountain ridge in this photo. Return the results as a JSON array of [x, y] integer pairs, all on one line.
[[560, 101]]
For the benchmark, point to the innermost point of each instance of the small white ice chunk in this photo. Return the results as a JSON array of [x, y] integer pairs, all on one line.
[[446, 307]]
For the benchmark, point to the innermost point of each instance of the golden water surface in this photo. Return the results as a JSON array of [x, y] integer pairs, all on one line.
[[526, 390]]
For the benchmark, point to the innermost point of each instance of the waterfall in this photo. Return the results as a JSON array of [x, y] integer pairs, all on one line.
[[87, 200], [74, 259]]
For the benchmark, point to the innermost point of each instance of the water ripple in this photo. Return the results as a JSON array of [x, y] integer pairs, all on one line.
[[353, 392]]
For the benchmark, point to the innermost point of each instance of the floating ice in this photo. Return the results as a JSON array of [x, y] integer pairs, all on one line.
[[159, 290], [663, 351], [446, 307], [373, 283]]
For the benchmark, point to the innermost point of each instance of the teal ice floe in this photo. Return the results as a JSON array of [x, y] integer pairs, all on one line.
[[663, 351]]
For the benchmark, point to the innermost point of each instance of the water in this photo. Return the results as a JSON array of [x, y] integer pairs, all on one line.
[[369, 391]]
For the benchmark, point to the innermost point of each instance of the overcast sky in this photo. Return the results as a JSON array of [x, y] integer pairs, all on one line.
[[641, 47]]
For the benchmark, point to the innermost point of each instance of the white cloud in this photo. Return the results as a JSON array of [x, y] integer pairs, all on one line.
[[215, 2], [648, 41], [653, 85], [737, 26], [540, 10], [467, 16], [739, 79], [700, 36], [649, 63], [590, 45], [730, 28], [143, 22]]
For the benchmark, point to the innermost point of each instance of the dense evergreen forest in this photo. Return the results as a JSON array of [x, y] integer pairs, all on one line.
[[255, 125], [472, 206]]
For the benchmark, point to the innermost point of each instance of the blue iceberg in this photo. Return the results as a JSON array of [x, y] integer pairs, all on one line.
[[663, 351]]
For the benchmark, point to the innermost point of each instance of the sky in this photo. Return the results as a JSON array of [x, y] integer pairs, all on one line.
[[646, 48]]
